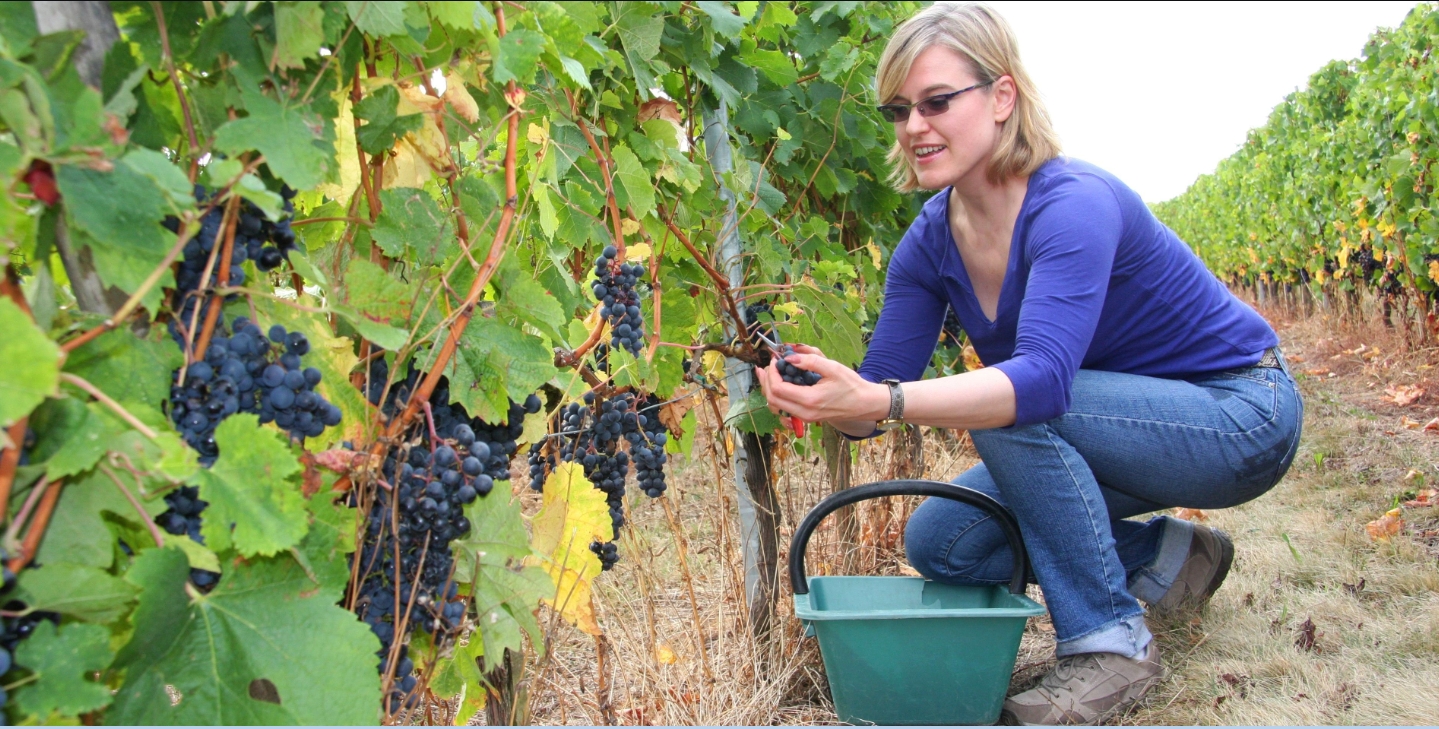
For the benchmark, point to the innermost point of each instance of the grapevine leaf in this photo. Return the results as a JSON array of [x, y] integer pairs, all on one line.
[[459, 677], [505, 593], [32, 364], [523, 358], [639, 28], [82, 592], [377, 292], [829, 325], [299, 32], [250, 491], [264, 622], [383, 126], [459, 15], [722, 19], [573, 515], [331, 537], [292, 140], [518, 53], [62, 660], [128, 368], [377, 17], [412, 226], [527, 301], [199, 556], [119, 212], [85, 442], [78, 532], [388, 337], [776, 65], [634, 179], [751, 414], [169, 178]]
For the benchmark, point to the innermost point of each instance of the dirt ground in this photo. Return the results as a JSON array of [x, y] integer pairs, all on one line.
[[1318, 622]]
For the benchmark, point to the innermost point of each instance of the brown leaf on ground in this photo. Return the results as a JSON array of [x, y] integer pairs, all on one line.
[[1356, 588], [1307, 636], [1190, 514], [1316, 372], [1425, 497], [1403, 395], [1386, 526], [1410, 423], [1432, 426]]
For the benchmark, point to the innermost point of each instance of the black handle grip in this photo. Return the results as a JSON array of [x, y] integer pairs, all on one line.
[[914, 487]]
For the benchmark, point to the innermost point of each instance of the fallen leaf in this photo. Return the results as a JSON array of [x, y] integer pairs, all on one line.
[[1386, 526], [1355, 589], [1410, 423], [1425, 497], [1357, 350], [1190, 514], [1432, 426], [908, 571], [666, 655], [1307, 636], [1316, 372], [1413, 474], [1403, 395]]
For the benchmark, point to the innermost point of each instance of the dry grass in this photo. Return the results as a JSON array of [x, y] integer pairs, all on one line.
[[1303, 555]]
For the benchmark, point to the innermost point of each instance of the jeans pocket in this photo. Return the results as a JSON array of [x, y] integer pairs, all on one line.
[[1249, 402]]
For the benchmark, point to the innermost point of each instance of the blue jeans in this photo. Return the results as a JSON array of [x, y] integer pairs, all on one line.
[[1128, 445]]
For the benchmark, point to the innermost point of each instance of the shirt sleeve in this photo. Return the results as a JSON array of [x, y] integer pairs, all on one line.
[[1071, 243], [908, 328]]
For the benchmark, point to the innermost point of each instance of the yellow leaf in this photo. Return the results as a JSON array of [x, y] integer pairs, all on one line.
[[630, 226], [1386, 526], [714, 365], [1434, 271], [423, 152], [536, 425], [874, 253], [971, 358], [783, 135], [666, 655], [574, 515], [347, 160], [459, 98], [788, 308], [536, 134], [639, 252]]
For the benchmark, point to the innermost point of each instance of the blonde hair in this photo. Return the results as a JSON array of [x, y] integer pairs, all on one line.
[[977, 33]]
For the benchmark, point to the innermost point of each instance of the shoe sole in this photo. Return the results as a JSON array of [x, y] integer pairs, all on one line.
[[1226, 560]]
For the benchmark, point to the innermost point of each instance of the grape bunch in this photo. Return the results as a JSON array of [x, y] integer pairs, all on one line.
[[952, 333], [760, 331], [648, 450], [183, 518], [287, 391], [792, 374], [419, 511], [614, 288], [607, 552]]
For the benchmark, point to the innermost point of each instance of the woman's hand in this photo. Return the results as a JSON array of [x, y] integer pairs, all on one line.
[[841, 396]]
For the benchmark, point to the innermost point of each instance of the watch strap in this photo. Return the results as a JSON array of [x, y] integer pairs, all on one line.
[[896, 400]]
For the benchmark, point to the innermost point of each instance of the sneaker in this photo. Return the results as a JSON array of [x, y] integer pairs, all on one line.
[[1210, 554], [1085, 689]]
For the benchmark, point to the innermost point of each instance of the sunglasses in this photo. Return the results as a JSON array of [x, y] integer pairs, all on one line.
[[934, 105]]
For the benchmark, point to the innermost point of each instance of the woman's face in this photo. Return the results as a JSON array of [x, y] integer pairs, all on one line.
[[946, 148]]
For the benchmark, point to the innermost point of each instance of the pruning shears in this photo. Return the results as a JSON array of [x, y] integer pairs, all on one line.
[[795, 424]]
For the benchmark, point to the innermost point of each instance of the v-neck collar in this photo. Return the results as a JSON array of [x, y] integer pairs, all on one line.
[[1010, 267]]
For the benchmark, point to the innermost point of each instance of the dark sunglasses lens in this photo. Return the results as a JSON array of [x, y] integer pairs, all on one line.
[[930, 107], [895, 113]]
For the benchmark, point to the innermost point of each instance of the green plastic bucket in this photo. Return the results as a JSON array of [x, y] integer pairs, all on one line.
[[905, 650]]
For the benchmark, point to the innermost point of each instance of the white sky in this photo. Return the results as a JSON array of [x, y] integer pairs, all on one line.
[[1159, 92]]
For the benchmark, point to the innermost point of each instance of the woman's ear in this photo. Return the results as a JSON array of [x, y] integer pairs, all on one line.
[[1005, 96]]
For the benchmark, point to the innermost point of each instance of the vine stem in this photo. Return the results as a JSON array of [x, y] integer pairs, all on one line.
[[570, 359], [13, 529], [603, 159], [487, 269], [222, 278], [144, 516], [179, 89], [726, 296], [10, 457], [37, 527], [118, 409]]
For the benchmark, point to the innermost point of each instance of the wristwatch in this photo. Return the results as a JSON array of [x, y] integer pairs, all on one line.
[[896, 406]]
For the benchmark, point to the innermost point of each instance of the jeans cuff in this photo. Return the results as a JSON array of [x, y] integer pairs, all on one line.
[[1127, 637], [1153, 580]]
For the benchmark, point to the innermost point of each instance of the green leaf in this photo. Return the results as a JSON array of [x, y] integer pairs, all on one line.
[[63, 661], [459, 15], [264, 622], [299, 32], [382, 126], [199, 556], [388, 337], [752, 415], [411, 221], [80, 591], [31, 368], [506, 595], [829, 326], [377, 17], [293, 140], [775, 65], [330, 539], [377, 292], [167, 177], [518, 55], [250, 488], [78, 532], [639, 28], [85, 441], [121, 212], [722, 19], [524, 299], [522, 357], [634, 181], [126, 367]]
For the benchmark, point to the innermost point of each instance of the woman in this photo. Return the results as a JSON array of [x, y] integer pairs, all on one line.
[[1122, 377]]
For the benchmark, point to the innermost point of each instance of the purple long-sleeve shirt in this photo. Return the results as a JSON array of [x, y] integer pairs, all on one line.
[[1094, 281]]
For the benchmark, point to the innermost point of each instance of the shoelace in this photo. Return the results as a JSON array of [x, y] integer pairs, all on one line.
[[1071, 668]]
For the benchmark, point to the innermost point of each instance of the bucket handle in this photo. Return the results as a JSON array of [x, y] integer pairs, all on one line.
[[908, 487]]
